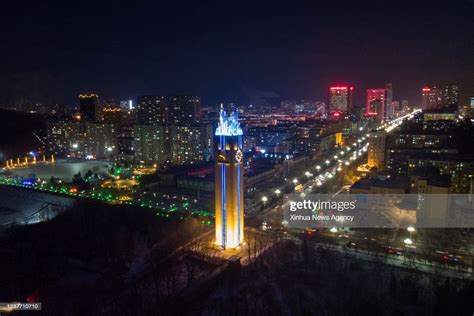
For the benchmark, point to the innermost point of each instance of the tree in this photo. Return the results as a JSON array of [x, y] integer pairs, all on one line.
[[89, 174]]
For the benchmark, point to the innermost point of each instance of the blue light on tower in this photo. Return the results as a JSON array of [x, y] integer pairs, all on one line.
[[229, 184], [228, 124]]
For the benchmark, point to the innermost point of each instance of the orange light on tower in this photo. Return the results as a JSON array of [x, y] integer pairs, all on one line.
[[229, 193]]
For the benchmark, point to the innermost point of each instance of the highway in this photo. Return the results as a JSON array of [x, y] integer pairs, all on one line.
[[436, 249]]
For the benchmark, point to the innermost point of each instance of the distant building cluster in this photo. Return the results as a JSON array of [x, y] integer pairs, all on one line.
[[432, 140], [176, 130], [438, 96], [158, 130]]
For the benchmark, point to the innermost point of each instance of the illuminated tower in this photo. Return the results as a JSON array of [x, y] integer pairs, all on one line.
[[229, 182]]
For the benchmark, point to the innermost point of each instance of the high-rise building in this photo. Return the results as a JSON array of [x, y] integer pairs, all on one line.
[[389, 111], [375, 104], [100, 140], [451, 94], [113, 114], [151, 110], [89, 107], [432, 97], [62, 137], [379, 102], [152, 143], [191, 144], [176, 145], [376, 155], [340, 99], [171, 110], [229, 191], [127, 105], [183, 109]]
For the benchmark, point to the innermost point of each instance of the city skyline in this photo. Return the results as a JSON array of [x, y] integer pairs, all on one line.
[[222, 158], [229, 54]]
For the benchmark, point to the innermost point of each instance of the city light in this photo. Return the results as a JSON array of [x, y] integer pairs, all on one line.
[[226, 166], [228, 124]]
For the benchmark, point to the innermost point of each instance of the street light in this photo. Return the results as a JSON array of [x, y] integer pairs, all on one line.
[[318, 167], [411, 229], [277, 191], [264, 199], [333, 230], [295, 181], [407, 242], [327, 162]]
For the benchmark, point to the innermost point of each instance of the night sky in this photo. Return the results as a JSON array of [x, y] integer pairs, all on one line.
[[230, 51]]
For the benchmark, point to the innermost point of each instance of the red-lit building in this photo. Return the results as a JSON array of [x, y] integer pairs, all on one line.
[[375, 102], [340, 99], [379, 103]]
